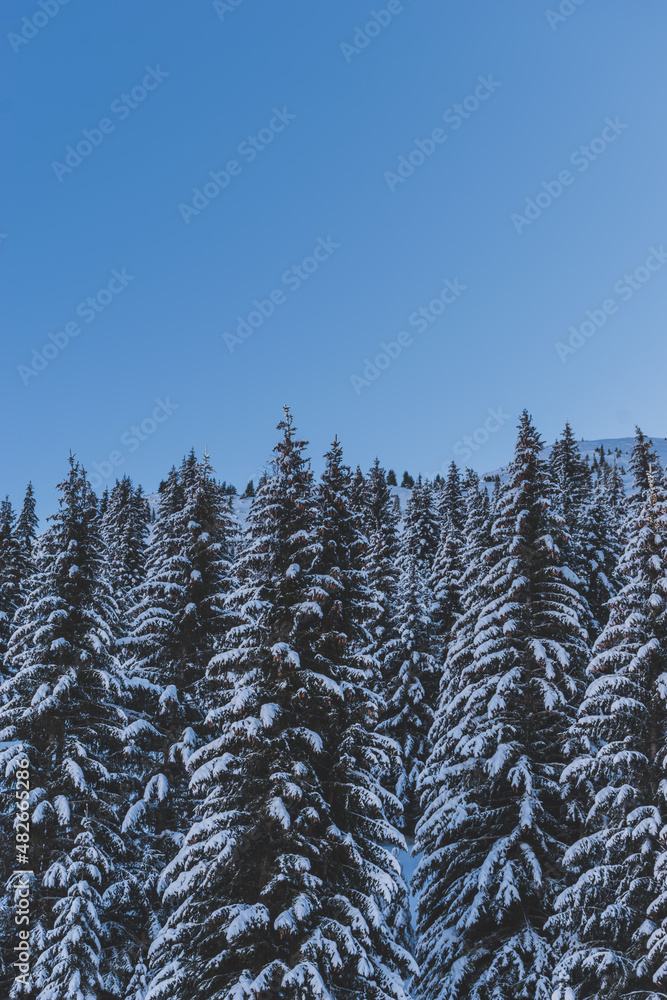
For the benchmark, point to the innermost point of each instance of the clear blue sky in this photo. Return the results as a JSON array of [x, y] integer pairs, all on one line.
[[338, 121]]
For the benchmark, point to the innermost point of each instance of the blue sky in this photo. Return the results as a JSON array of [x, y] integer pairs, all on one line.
[[170, 93]]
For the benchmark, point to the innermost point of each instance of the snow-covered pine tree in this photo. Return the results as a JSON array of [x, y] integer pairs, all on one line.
[[609, 914], [492, 828], [572, 497], [570, 478], [17, 539], [476, 530], [11, 577], [411, 678], [380, 525], [371, 608], [337, 567], [473, 558], [601, 531], [387, 626], [63, 714], [177, 622], [138, 985], [450, 502], [188, 470], [377, 504], [445, 587], [125, 530], [277, 887], [476, 557], [26, 524], [645, 466], [359, 493], [613, 479], [421, 530], [445, 576], [494, 499]]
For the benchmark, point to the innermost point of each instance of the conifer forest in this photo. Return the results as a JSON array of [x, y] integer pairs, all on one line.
[[343, 737]]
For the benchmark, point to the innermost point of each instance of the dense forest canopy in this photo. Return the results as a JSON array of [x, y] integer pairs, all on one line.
[[343, 746]]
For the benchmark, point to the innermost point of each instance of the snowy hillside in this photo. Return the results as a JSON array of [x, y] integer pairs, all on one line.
[[615, 449]]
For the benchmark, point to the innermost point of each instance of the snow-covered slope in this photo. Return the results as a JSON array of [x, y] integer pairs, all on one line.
[[615, 449], [618, 449]]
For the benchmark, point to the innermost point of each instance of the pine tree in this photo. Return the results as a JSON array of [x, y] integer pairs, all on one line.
[[445, 587], [26, 525], [403, 633], [63, 714], [25, 535], [492, 826], [611, 917], [601, 533], [570, 478], [138, 986], [645, 467], [125, 530], [177, 623], [277, 887], [391, 478], [410, 685], [187, 472], [455, 611], [339, 554], [359, 496], [613, 480], [496, 492], [456, 653], [380, 526], [421, 531], [445, 581], [11, 576], [450, 500], [572, 497]]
